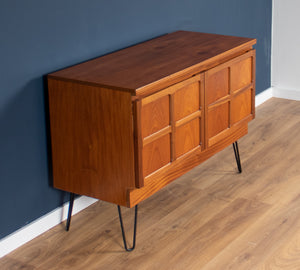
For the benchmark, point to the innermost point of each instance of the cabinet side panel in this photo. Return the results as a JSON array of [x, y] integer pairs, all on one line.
[[92, 140]]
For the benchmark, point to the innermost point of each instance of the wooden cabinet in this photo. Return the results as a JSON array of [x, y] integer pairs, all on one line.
[[126, 124]]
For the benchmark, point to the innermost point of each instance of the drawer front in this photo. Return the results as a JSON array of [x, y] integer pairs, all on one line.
[[229, 96], [171, 123]]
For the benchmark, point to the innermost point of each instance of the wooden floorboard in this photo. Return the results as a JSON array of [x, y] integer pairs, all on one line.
[[211, 218]]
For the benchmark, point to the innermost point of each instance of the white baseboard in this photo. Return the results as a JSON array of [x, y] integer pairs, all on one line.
[[263, 96], [41, 225], [55, 217], [286, 93]]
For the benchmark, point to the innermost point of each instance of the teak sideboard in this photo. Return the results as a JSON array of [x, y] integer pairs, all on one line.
[[126, 124]]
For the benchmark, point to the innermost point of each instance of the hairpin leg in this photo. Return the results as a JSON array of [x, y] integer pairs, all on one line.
[[134, 230], [237, 155], [72, 195]]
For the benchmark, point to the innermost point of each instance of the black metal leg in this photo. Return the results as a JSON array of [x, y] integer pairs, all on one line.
[[237, 155], [72, 195], [134, 230]]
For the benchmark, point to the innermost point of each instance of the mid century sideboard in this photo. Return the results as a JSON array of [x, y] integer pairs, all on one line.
[[125, 125]]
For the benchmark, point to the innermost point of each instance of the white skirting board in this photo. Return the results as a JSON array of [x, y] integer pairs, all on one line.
[[286, 93], [278, 93], [41, 225], [55, 217], [264, 96]]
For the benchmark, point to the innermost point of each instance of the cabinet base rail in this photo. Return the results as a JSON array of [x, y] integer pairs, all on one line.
[[72, 196]]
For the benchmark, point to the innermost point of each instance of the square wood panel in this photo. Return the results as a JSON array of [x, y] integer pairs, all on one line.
[[241, 106], [156, 154], [218, 119], [155, 116], [241, 74], [217, 85], [186, 100], [187, 137]]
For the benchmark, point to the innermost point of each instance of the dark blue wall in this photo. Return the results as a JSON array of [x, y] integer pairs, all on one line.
[[38, 37]]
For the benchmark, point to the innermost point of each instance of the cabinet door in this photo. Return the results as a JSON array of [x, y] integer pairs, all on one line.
[[229, 96], [170, 125]]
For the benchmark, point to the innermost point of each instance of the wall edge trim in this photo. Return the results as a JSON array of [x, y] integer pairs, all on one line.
[[286, 93], [263, 96], [41, 225]]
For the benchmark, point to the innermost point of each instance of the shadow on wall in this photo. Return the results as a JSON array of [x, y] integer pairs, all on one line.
[[47, 128]]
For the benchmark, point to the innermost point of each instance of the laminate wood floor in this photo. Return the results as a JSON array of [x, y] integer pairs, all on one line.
[[211, 218]]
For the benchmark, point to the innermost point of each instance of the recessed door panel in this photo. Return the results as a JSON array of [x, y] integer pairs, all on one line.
[[241, 106], [217, 85], [241, 74], [187, 137], [155, 116], [156, 154], [218, 119], [186, 100]]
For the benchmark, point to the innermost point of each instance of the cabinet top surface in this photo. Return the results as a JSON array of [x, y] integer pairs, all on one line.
[[143, 64]]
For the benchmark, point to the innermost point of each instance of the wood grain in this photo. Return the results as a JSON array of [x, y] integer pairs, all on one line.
[[156, 154], [217, 233], [87, 159], [157, 135], [138, 142], [166, 175], [217, 85], [188, 118], [211, 218], [218, 119], [287, 255], [187, 137], [174, 113], [110, 132], [155, 116], [241, 106], [229, 96], [241, 72], [155, 64], [186, 101]]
